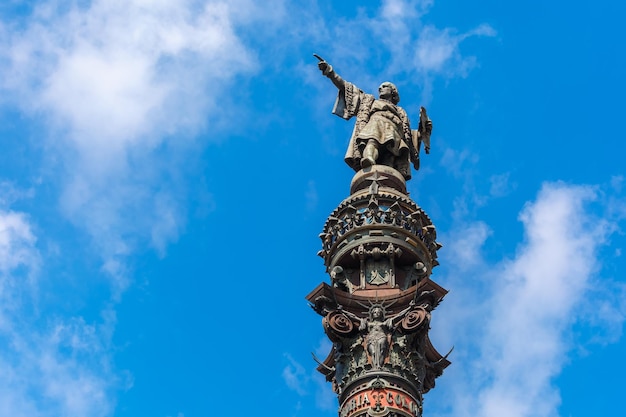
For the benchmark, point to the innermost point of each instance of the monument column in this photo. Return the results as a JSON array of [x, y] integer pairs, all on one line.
[[379, 248]]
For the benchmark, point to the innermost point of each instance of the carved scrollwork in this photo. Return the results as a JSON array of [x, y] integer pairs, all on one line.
[[338, 325], [414, 319]]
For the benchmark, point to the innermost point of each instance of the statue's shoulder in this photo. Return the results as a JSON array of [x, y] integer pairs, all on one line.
[[401, 111]]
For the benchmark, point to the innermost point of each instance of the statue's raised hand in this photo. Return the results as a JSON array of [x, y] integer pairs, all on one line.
[[324, 66]]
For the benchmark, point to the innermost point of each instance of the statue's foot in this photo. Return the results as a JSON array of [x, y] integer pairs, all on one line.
[[367, 162]]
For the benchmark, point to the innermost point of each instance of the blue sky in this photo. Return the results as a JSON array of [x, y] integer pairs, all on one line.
[[166, 167]]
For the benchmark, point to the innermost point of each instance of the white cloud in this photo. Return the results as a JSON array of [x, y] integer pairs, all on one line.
[[500, 185], [120, 87], [420, 49], [311, 196], [417, 48], [394, 41], [61, 370], [119, 72], [519, 333], [325, 397], [438, 50], [295, 376], [304, 381], [10, 194], [19, 263], [466, 243], [49, 366], [123, 85], [456, 162], [17, 242], [526, 343]]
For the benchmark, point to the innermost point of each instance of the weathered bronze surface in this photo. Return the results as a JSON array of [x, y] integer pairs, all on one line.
[[379, 248], [382, 132]]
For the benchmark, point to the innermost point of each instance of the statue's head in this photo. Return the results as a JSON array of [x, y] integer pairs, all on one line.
[[377, 312], [389, 90]]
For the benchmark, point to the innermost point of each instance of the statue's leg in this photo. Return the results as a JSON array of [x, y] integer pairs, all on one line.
[[387, 158], [380, 353], [372, 349], [403, 166], [370, 154]]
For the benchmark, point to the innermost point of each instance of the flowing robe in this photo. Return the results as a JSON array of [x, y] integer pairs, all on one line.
[[380, 120], [377, 340]]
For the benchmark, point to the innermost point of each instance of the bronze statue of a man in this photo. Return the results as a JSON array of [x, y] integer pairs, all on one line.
[[382, 133]]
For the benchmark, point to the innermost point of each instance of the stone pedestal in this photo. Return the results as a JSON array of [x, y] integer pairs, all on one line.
[[379, 248]]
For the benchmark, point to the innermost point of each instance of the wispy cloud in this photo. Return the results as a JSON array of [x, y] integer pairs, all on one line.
[[396, 42], [295, 376], [305, 381], [419, 47], [19, 263], [62, 369], [122, 88], [501, 185], [49, 366], [518, 337], [311, 196], [117, 73], [437, 50], [123, 85], [526, 343]]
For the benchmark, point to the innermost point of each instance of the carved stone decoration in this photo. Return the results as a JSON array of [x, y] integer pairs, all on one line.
[[377, 265], [381, 398], [414, 319], [338, 325], [389, 217], [377, 339], [377, 272], [384, 339], [340, 279]]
